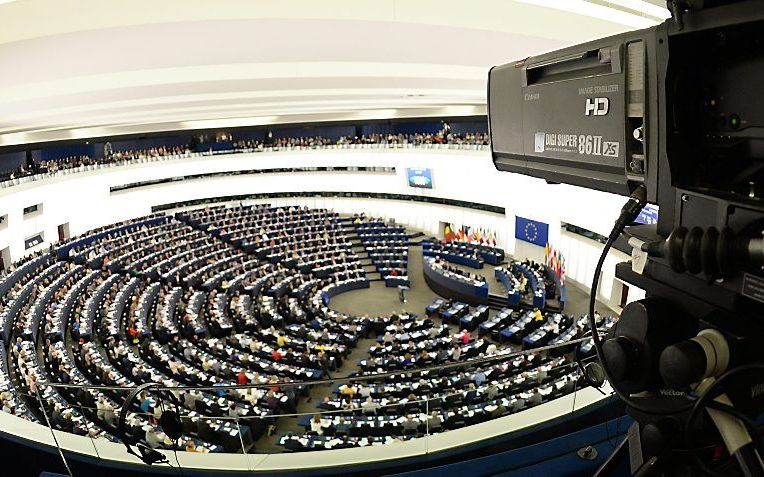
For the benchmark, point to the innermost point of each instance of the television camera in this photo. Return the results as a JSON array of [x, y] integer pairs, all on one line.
[[671, 115]]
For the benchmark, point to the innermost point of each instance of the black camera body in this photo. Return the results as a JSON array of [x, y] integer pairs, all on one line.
[[676, 110]]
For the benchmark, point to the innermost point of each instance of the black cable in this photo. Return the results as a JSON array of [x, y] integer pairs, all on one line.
[[175, 451], [581, 369], [629, 211], [174, 442], [707, 396], [747, 453], [753, 428], [633, 204]]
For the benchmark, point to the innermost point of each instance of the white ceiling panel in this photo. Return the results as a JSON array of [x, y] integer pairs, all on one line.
[[74, 67]]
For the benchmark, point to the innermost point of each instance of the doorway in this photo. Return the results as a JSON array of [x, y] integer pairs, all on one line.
[[5, 259], [63, 232], [624, 295]]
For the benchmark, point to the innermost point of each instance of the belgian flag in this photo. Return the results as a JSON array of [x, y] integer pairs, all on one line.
[[448, 233]]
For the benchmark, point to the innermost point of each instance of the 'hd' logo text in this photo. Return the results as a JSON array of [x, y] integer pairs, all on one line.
[[597, 106]]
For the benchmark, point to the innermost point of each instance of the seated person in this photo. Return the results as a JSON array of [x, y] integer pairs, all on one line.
[[152, 437], [191, 447], [316, 425], [409, 424], [434, 421], [535, 398], [369, 406], [471, 394], [347, 393], [479, 377]]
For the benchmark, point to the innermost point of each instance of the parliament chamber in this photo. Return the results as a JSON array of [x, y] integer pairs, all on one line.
[[226, 251]]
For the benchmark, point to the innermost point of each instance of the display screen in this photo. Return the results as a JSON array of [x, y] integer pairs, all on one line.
[[419, 177], [648, 215]]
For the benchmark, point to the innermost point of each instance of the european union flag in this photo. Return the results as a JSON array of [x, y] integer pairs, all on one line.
[[531, 231]]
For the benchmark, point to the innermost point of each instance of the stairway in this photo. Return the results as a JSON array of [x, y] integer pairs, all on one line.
[[497, 302], [369, 268]]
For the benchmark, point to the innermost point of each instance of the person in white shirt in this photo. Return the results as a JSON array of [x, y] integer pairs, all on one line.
[[316, 426], [189, 400], [152, 438], [369, 406], [109, 413], [100, 406]]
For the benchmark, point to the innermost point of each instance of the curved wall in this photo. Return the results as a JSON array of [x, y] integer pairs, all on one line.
[[84, 201]]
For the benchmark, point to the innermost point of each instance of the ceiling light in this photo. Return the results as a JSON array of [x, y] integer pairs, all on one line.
[[227, 122], [637, 7], [632, 13]]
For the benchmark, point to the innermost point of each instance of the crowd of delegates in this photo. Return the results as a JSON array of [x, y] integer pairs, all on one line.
[[463, 253], [540, 271], [531, 283], [445, 268], [471, 139], [240, 295], [118, 307], [418, 400], [44, 168], [116, 157], [53, 166]]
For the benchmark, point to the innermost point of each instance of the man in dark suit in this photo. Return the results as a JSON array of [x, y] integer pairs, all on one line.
[[57, 418], [471, 394]]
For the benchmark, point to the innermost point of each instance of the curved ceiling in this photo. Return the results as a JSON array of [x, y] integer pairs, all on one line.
[[89, 68]]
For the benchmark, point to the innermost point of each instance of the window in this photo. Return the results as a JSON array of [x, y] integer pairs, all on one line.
[[33, 241], [31, 209], [575, 229], [620, 244]]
